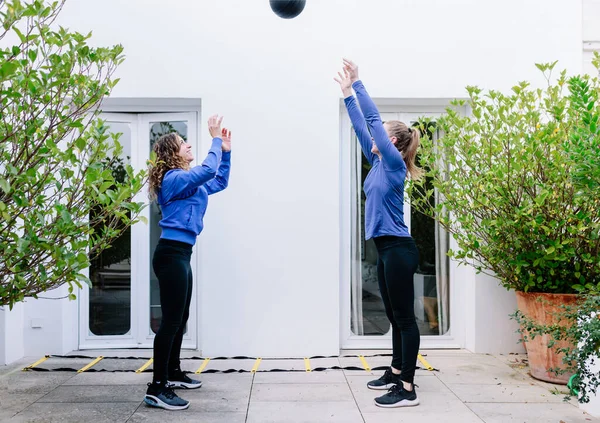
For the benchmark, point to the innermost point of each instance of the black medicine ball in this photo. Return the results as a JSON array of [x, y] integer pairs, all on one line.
[[287, 9]]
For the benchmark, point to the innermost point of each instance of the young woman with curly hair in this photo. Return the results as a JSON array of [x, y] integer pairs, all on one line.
[[182, 193]]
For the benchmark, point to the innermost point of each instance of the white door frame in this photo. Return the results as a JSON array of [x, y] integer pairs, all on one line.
[[140, 334], [455, 337], [86, 339]]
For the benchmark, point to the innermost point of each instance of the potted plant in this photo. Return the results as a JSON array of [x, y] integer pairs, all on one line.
[[581, 336], [505, 185]]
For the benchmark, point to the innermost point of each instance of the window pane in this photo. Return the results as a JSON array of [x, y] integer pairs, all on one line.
[[430, 282]]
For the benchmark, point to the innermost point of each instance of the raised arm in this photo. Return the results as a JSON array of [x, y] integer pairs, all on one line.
[[390, 156], [179, 181], [222, 179], [360, 127], [356, 116]]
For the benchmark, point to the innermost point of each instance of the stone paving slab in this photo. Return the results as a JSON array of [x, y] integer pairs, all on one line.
[[76, 412], [538, 413], [528, 393], [477, 370], [325, 376], [468, 388], [106, 378], [406, 415], [303, 412], [95, 393], [11, 404], [207, 399], [191, 415], [302, 392]]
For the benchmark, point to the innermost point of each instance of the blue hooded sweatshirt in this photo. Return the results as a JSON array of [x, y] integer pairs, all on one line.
[[183, 195]]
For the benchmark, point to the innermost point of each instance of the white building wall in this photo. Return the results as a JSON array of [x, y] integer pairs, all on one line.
[[591, 34], [12, 345], [269, 273]]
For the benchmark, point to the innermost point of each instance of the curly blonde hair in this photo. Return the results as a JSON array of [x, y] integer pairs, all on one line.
[[167, 149]]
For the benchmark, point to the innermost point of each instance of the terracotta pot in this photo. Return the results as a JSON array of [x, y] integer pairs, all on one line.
[[542, 309]]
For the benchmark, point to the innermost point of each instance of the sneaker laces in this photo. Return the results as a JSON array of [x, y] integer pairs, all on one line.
[[396, 389], [169, 392], [388, 375]]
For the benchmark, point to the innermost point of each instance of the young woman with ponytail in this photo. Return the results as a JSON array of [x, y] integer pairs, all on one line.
[[390, 148]]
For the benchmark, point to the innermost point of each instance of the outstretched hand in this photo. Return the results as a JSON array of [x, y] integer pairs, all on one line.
[[214, 126], [352, 69], [345, 82], [226, 137]]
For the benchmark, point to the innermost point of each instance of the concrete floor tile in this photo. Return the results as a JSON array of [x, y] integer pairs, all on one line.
[[96, 394], [422, 415], [526, 393], [32, 382], [222, 381], [304, 392], [194, 414], [303, 412], [538, 413], [326, 376], [106, 378], [476, 370], [208, 400], [11, 404], [76, 412]]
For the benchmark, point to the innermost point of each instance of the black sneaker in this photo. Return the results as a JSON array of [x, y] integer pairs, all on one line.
[[397, 396], [163, 396], [386, 381], [181, 380]]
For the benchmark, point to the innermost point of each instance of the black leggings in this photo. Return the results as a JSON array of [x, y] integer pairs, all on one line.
[[396, 267], [171, 263]]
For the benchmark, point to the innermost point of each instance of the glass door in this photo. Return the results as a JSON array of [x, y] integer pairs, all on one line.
[[122, 309], [365, 322], [109, 307]]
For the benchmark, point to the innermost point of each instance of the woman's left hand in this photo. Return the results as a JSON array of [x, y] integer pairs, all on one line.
[[226, 137]]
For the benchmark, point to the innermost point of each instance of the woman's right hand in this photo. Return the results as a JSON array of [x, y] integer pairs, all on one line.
[[214, 126], [345, 83], [352, 69]]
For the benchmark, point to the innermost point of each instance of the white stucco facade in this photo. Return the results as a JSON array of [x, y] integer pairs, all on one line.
[[269, 268]]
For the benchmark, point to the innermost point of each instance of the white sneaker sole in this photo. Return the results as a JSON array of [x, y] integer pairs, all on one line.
[[153, 401], [403, 403], [184, 385], [382, 387]]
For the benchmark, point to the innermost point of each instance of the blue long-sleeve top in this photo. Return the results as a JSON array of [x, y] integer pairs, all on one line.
[[183, 195], [384, 185]]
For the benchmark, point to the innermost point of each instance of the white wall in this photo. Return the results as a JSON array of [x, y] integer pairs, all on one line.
[[11, 334], [489, 328], [50, 324], [591, 34], [269, 273]]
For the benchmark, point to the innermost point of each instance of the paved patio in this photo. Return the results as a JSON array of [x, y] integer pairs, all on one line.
[[467, 388]]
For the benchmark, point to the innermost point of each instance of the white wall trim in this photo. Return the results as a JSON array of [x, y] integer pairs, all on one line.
[[455, 337], [150, 105]]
